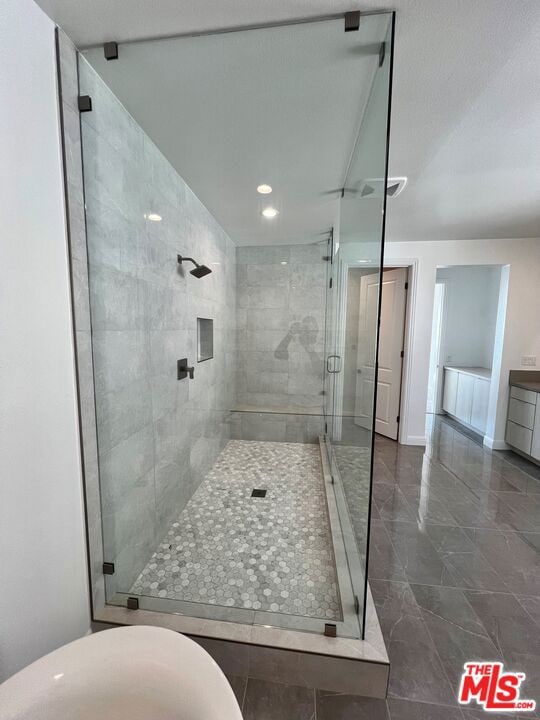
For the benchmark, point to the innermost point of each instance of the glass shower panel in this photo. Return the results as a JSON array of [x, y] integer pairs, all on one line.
[[213, 488], [353, 301]]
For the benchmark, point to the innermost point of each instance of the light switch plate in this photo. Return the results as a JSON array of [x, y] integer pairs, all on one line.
[[528, 361]]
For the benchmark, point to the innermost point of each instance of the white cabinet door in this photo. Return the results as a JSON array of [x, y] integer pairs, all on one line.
[[464, 397], [480, 404], [450, 391], [535, 445]]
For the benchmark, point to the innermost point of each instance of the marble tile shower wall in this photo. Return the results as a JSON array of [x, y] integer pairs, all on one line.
[[281, 294], [157, 436]]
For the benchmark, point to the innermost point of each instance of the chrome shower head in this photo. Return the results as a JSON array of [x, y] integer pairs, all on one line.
[[198, 271]]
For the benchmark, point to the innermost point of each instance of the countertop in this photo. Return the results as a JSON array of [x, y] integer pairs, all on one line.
[[534, 386], [479, 372], [526, 379]]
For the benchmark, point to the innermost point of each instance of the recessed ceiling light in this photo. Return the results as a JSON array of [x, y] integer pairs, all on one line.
[[264, 189], [269, 212], [153, 217], [283, 262]]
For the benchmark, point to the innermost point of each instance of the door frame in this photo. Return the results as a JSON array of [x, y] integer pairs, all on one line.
[[439, 352], [406, 366], [408, 343]]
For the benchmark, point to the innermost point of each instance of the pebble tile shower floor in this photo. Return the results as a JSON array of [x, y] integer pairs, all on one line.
[[271, 553]]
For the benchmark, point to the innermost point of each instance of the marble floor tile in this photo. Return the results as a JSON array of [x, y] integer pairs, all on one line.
[[407, 710], [394, 599], [332, 706], [456, 631], [383, 560], [420, 560], [238, 685], [515, 557], [460, 579], [272, 701], [416, 672], [532, 606], [511, 628]]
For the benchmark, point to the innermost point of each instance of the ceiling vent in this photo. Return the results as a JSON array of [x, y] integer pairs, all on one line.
[[373, 187]]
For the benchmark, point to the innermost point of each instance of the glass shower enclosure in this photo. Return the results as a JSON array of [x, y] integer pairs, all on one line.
[[234, 399]]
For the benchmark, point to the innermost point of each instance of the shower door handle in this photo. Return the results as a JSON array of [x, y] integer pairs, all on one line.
[[337, 357]]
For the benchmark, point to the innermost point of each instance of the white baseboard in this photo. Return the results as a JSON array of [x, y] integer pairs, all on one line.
[[492, 444], [414, 440]]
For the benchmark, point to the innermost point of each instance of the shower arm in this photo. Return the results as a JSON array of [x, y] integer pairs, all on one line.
[[181, 259]]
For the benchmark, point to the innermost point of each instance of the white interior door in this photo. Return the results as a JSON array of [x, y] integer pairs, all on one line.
[[365, 364], [390, 347]]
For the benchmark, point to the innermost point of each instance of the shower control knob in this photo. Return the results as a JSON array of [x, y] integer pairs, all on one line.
[[183, 370]]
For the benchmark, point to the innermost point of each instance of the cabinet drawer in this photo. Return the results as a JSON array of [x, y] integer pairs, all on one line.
[[522, 394], [519, 437], [521, 413]]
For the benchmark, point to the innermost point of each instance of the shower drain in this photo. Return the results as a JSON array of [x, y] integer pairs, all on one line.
[[258, 493]]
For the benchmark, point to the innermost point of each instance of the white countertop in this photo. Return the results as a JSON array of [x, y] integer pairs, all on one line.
[[479, 372]]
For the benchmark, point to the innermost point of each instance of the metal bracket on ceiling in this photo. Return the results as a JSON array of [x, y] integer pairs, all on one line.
[[110, 50], [352, 21]]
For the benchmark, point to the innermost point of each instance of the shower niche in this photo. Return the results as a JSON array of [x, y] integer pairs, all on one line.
[[205, 339]]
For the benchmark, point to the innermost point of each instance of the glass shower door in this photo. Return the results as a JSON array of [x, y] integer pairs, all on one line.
[[353, 308]]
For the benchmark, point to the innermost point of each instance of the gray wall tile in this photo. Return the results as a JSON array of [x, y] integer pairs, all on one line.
[[281, 297], [157, 436]]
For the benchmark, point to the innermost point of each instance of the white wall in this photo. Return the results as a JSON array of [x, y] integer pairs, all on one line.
[[471, 302], [521, 329], [43, 597]]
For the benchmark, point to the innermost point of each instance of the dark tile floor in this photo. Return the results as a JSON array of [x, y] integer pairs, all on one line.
[[455, 574]]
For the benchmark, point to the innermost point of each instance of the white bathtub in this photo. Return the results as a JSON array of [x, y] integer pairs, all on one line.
[[129, 673]]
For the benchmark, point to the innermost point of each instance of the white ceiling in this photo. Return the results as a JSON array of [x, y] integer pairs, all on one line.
[[280, 106], [466, 102]]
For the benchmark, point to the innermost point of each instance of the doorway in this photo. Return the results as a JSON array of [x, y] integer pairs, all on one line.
[[363, 293], [465, 311]]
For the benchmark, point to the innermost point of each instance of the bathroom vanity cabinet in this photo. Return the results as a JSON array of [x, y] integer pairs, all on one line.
[[466, 395]]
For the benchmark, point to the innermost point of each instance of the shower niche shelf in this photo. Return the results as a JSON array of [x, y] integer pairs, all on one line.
[[205, 339]]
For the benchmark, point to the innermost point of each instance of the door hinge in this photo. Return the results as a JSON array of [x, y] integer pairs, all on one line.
[[84, 103], [332, 479], [108, 568], [352, 21], [356, 605], [406, 286], [110, 50], [325, 427], [397, 419], [330, 283], [402, 354]]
